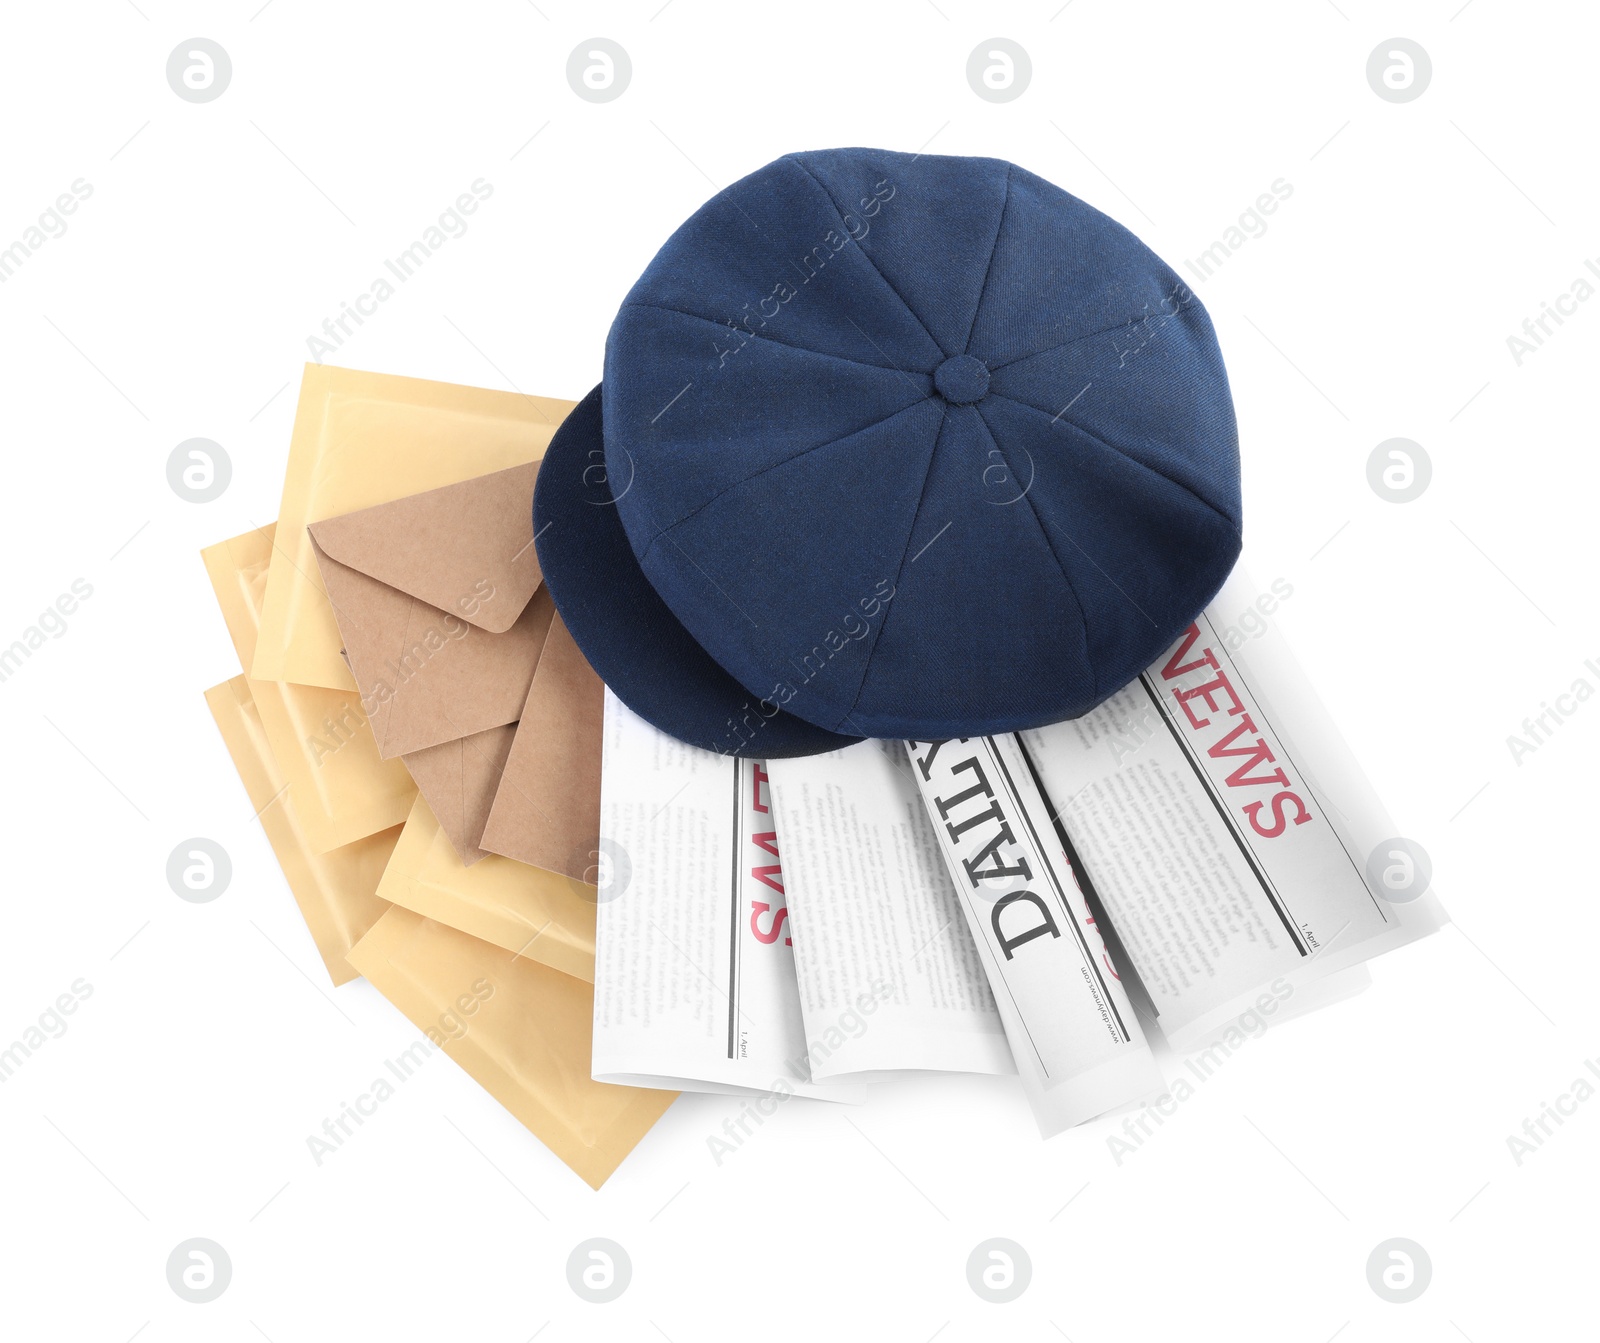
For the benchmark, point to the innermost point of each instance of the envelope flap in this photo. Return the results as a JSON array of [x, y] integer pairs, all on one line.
[[465, 548], [546, 811]]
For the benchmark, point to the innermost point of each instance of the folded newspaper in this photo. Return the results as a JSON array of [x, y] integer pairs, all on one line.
[[1051, 903]]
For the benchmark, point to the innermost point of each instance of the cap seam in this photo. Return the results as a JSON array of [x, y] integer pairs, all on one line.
[[915, 316], [1061, 345], [1083, 612], [994, 247], [773, 466], [1126, 456], [756, 335], [1118, 586], [727, 596], [916, 516]]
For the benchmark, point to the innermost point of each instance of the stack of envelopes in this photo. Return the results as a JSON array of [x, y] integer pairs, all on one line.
[[421, 737]]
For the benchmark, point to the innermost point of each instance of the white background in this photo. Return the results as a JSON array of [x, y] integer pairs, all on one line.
[[217, 239]]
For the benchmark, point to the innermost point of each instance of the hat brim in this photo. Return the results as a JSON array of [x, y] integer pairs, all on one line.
[[626, 631]]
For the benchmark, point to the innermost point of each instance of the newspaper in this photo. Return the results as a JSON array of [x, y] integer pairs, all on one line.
[[1211, 809], [695, 986], [890, 980], [1075, 1039], [1198, 855]]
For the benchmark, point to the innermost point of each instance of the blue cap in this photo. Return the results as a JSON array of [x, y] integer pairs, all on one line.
[[620, 624], [909, 446]]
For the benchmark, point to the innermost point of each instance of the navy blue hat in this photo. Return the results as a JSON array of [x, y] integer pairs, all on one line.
[[906, 446], [624, 629]]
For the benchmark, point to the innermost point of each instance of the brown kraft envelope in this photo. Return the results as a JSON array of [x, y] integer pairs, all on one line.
[[547, 809], [440, 606], [458, 779], [521, 1030], [362, 439]]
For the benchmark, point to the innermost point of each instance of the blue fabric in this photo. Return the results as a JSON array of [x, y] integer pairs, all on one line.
[[630, 638], [920, 446]]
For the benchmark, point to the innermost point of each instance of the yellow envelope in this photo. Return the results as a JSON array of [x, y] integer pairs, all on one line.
[[522, 1031], [362, 439], [320, 739], [539, 915], [336, 891]]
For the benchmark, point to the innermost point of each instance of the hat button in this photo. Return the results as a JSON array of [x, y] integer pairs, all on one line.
[[962, 379]]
